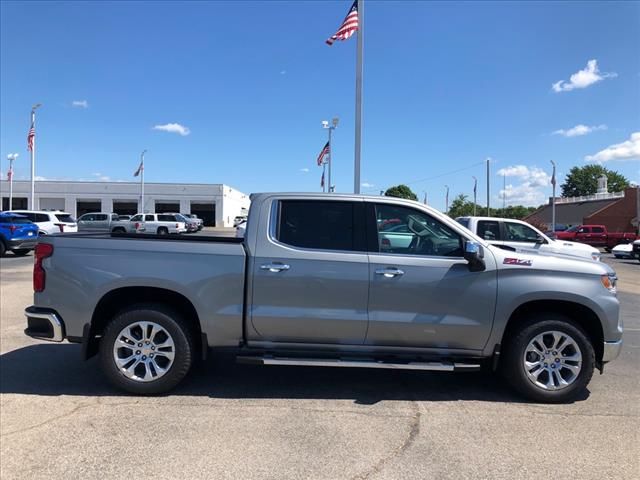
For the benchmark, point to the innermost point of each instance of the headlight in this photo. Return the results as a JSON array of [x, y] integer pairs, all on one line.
[[609, 282]]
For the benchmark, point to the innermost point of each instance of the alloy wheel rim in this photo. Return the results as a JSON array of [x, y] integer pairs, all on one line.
[[144, 351], [552, 360]]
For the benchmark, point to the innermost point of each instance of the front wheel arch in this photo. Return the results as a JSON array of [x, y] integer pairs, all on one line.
[[586, 318]]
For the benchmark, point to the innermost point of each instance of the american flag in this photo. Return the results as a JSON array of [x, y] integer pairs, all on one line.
[[31, 136], [349, 25], [9, 174], [325, 151], [140, 169]]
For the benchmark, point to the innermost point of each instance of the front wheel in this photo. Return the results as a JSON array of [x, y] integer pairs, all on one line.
[[146, 349], [549, 359]]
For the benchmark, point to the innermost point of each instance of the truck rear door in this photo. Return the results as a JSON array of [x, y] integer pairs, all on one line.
[[310, 274]]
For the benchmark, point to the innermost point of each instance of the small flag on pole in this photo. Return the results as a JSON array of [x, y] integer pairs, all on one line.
[[9, 174], [553, 176], [349, 25], [323, 153], [31, 137], [322, 180], [140, 169]]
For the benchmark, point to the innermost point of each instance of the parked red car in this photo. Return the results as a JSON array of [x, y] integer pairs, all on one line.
[[596, 236]]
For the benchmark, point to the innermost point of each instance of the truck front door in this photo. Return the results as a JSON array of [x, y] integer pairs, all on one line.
[[310, 274], [423, 294]]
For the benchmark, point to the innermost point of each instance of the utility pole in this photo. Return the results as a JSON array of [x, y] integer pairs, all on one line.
[[553, 200], [504, 193], [475, 194], [488, 189], [11, 157], [446, 199]]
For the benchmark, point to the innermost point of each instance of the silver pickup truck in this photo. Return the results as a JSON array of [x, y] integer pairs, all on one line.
[[315, 282]]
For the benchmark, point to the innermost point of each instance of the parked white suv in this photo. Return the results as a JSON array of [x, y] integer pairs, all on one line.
[[520, 236], [160, 223], [50, 221]]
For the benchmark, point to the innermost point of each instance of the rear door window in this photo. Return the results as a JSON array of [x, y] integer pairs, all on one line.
[[166, 218], [65, 217], [598, 230], [320, 225], [149, 218], [42, 217], [489, 230]]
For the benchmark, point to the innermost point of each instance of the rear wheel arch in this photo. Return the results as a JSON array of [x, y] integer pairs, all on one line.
[[123, 298], [582, 315]]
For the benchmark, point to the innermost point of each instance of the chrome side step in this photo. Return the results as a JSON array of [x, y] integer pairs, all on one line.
[[337, 362]]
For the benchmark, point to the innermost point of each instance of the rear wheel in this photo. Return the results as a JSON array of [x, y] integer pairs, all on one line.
[[146, 349], [162, 231], [549, 359], [20, 252], [119, 230]]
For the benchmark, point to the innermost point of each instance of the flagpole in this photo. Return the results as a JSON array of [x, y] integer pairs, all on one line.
[[324, 169], [33, 156], [358, 133], [11, 157], [142, 181]]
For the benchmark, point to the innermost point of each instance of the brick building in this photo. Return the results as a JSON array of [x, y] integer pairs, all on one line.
[[618, 211]]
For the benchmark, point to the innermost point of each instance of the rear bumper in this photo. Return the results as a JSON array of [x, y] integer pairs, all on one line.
[[611, 351], [44, 324], [22, 243]]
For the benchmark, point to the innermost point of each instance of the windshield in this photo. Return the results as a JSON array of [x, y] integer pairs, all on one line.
[[573, 229]]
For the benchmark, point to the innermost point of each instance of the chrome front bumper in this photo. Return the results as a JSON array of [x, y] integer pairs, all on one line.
[[44, 324], [611, 351]]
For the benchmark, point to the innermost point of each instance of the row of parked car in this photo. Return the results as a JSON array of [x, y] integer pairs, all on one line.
[[20, 229]]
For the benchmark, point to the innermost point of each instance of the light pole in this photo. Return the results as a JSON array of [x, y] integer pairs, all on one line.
[[553, 200], [330, 127], [31, 142], [11, 157], [142, 181], [475, 194]]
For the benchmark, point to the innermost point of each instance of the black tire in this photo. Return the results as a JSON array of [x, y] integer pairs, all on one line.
[[162, 231], [512, 362], [168, 319], [21, 252], [119, 230], [2, 248]]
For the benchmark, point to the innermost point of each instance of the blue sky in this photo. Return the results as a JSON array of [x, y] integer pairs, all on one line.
[[447, 84]]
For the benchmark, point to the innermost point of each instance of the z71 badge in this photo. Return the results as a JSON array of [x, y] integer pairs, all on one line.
[[517, 261]]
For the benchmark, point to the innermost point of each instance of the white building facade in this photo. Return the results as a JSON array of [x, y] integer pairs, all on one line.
[[216, 204]]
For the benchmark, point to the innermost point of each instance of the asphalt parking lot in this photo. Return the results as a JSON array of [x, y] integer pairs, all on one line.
[[60, 419]]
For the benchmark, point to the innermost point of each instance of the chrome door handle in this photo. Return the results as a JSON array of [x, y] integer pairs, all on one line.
[[274, 267], [389, 272]]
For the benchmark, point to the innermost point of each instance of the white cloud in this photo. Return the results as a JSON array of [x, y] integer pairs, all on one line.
[[367, 185], [627, 150], [529, 192], [579, 130], [101, 178], [80, 104], [173, 128], [583, 78], [304, 170], [283, 72]]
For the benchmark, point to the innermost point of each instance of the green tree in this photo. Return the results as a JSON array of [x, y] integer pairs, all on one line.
[[401, 191], [582, 181], [461, 207]]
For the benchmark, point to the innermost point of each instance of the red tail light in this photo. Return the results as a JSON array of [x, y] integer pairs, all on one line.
[[60, 226], [43, 250]]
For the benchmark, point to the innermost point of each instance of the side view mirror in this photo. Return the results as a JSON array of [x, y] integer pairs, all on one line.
[[474, 254], [540, 240]]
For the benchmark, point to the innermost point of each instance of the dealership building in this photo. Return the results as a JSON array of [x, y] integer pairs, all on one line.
[[216, 204]]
